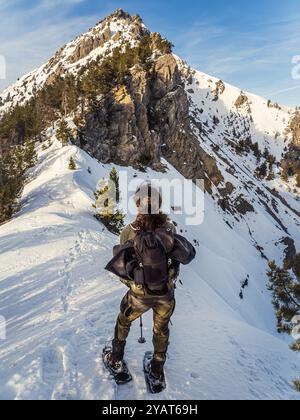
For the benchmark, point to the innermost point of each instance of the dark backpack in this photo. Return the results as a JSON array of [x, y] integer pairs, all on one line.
[[152, 251]]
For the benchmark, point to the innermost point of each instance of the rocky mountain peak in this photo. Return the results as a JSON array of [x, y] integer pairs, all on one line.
[[121, 14], [112, 32]]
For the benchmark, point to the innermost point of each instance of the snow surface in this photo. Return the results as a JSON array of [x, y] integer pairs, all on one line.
[[60, 304]]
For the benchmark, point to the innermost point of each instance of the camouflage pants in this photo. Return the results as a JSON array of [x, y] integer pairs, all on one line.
[[132, 307]]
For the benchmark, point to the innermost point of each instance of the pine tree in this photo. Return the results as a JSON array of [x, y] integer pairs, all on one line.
[[17, 163], [256, 151], [285, 288], [11, 182], [114, 177], [295, 346], [72, 164], [271, 160], [296, 383], [266, 153], [261, 171], [271, 175], [30, 155], [105, 206], [63, 132], [284, 174]]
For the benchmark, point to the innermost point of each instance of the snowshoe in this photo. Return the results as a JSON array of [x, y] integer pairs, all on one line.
[[119, 371], [154, 385]]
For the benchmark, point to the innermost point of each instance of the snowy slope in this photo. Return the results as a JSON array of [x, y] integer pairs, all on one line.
[[275, 203], [61, 305], [265, 122]]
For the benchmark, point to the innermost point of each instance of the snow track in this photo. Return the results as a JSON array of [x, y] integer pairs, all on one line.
[[61, 306]]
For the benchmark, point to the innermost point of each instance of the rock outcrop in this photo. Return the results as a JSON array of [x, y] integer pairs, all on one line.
[[295, 129], [146, 120], [89, 44]]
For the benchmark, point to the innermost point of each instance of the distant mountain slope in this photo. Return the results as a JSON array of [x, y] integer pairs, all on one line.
[[233, 134]]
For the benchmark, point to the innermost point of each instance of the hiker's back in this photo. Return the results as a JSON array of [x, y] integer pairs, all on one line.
[[152, 249], [143, 261], [130, 231]]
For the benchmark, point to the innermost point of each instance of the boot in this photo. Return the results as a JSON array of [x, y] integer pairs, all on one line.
[[157, 366], [118, 348], [116, 367]]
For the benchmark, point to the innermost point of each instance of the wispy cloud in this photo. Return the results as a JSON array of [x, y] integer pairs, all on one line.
[[257, 56], [247, 50], [279, 92], [30, 35]]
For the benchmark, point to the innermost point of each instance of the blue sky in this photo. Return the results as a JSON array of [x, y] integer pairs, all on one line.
[[248, 44]]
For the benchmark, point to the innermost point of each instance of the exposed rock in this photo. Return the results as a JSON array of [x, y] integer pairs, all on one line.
[[53, 76], [122, 96], [275, 217], [166, 76], [290, 164], [290, 250], [242, 205], [219, 89], [228, 190], [116, 36], [270, 104], [120, 14], [243, 102], [295, 128], [276, 194], [88, 44], [146, 120]]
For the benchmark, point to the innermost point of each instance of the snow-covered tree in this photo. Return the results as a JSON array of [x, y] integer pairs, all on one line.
[[106, 207], [72, 164], [114, 177]]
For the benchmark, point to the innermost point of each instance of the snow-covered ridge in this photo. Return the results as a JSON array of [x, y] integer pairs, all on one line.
[[60, 304]]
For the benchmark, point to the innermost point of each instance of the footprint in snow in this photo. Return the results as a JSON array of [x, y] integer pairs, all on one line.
[[52, 366]]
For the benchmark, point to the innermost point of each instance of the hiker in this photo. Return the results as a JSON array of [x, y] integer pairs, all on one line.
[[147, 260]]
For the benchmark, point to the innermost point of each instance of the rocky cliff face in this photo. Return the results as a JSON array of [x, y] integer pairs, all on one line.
[[295, 128], [146, 120]]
